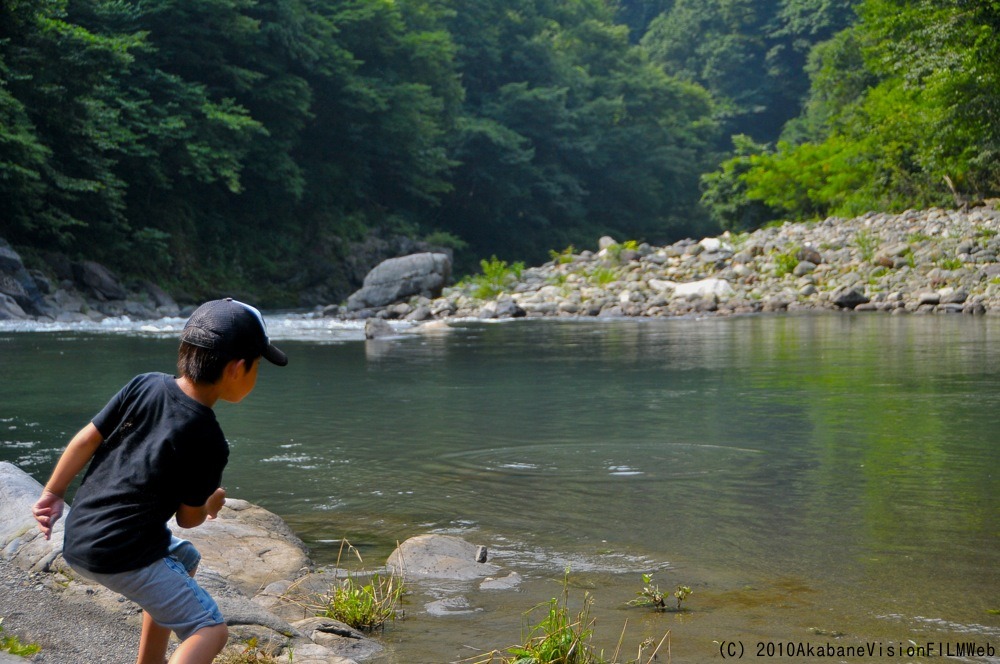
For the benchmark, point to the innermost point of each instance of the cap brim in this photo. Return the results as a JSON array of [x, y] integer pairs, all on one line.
[[275, 356]]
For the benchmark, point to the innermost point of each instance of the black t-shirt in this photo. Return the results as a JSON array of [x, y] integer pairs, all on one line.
[[161, 448]]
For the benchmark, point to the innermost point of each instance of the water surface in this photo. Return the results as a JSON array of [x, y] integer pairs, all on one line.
[[813, 479]]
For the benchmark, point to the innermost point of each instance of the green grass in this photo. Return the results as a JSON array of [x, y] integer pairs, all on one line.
[[950, 263], [13, 645], [866, 244], [496, 277], [561, 637], [785, 262], [603, 276], [362, 601], [652, 597]]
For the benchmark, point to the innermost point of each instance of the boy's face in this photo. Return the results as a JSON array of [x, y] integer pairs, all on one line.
[[239, 380]]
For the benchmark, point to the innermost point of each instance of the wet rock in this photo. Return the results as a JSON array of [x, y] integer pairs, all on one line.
[[396, 279], [847, 297], [439, 557]]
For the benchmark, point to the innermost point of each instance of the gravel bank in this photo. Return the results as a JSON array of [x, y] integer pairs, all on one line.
[[69, 629]]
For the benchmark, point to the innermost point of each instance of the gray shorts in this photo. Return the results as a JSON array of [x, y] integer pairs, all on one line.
[[166, 591]]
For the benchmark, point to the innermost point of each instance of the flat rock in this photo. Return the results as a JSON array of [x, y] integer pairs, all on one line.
[[439, 557]]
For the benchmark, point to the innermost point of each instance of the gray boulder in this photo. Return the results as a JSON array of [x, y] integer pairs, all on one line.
[[20, 540], [399, 278], [847, 297], [249, 546], [440, 557], [98, 280], [17, 283]]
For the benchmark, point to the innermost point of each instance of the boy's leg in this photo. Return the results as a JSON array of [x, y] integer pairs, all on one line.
[[202, 646], [153, 642]]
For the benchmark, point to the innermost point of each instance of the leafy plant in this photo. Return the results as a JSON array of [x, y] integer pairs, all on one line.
[[496, 277], [866, 244], [615, 250], [785, 262], [13, 645], [603, 276], [564, 256], [950, 263], [561, 638], [364, 605], [651, 595]]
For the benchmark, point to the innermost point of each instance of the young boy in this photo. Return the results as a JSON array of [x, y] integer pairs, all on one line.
[[156, 451]]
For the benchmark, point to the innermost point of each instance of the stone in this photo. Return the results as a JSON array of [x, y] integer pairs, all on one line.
[[439, 557], [397, 279], [98, 280], [10, 309], [378, 328], [847, 297], [249, 545], [719, 288]]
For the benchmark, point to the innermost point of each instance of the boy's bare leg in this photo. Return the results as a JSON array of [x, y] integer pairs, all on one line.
[[153, 642], [202, 646]]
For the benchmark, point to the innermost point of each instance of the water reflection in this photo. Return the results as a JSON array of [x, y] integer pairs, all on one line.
[[828, 472]]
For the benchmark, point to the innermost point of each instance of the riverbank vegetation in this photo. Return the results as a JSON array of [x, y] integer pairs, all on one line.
[[248, 146]]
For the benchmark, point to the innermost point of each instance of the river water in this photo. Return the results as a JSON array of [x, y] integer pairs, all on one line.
[[824, 479]]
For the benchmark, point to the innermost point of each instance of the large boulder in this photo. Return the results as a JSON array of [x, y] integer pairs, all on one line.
[[247, 545], [98, 281], [17, 284], [20, 540], [397, 279], [440, 557]]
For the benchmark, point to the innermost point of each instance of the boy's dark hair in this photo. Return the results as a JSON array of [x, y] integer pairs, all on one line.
[[202, 365]]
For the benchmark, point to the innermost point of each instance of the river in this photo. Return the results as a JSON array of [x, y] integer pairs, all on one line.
[[820, 479]]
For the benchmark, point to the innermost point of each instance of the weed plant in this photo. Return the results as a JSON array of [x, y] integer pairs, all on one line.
[[866, 244], [362, 601], [785, 262], [950, 263], [651, 596], [497, 276], [603, 276], [615, 250], [562, 257], [13, 645], [562, 638]]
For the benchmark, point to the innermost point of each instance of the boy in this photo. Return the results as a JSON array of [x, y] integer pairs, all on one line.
[[156, 451]]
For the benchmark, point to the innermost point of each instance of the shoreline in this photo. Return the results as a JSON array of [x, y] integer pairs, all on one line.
[[930, 261]]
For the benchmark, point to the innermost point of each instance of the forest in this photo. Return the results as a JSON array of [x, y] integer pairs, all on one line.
[[248, 145]]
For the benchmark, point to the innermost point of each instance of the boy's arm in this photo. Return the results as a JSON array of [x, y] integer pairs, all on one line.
[[192, 517], [78, 453]]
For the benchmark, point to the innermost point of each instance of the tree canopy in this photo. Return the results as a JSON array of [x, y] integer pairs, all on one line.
[[245, 144]]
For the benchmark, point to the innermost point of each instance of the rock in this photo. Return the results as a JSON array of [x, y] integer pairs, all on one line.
[[605, 242], [20, 540], [98, 280], [719, 288], [399, 278], [847, 297], [338, 638], [439, 557], [244, 548], [248, 545], [10, 309], [377, 328]]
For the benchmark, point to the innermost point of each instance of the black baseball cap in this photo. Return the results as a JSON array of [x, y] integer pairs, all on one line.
[[233, 329]]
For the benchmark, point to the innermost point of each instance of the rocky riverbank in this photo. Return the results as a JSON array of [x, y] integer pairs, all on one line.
[[930, 261], [258, 571]]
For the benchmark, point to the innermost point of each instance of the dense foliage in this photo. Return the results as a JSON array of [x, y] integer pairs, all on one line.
[[226, 144], [903, 112]]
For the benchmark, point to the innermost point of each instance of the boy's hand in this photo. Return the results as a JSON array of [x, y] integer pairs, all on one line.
[[215, 503], [47, 511]]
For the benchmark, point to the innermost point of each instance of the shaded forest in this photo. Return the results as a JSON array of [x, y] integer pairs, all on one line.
[[249, 145]]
